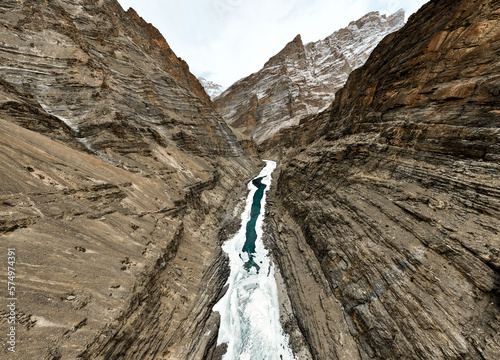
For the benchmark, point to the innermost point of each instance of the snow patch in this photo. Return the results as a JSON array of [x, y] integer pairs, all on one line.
[[212, 89]]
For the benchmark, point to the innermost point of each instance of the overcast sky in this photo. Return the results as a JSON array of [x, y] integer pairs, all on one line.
[[225, 40]]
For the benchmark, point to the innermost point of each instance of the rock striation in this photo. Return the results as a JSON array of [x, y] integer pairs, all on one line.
[[118, 183], [302, 79], [387, 210]]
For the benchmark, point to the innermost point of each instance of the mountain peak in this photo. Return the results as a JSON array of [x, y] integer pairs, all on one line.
[[375, 17], [297, 40], [212, 89], [368, 17], [302, 79], [398, 14], [293, 50]]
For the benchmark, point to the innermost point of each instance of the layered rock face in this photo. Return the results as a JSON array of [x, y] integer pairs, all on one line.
[[118, 183], [386, 226], [302, 79]]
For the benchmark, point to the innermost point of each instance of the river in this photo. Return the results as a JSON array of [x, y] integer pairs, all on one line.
[[250, 308]]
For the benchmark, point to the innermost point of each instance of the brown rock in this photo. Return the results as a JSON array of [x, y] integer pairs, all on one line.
[[301, 79], [117, 177], [389, 205]]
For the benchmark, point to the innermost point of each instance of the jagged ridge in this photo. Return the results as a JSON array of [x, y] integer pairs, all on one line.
[[302, 79]]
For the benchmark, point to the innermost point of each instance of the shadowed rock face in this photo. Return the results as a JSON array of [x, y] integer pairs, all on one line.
[[302, 79], [387, 205], [116, 174]]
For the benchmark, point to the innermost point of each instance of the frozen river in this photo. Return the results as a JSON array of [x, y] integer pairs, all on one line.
[[250, 308]]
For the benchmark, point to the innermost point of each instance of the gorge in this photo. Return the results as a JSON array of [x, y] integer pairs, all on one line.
[[250, 322], [128, 199]]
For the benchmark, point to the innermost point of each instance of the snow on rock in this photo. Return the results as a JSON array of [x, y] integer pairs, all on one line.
[[302, 79], [212, 89]]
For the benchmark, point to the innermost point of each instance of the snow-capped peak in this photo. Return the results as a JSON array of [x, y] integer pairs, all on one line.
[[212, 89], [302, 79]]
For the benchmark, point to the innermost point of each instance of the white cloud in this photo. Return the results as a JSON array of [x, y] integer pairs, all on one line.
[[225, 40]]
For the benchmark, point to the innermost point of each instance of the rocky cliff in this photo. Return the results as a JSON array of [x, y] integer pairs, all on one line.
[[302, 79], [118, 183], [387, 210]]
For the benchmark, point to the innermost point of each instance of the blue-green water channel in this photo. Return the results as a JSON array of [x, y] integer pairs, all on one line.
[[251, 232], [250, 310]]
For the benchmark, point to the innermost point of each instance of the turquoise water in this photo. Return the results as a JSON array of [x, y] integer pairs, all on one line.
[[251, 233], [249, 310]]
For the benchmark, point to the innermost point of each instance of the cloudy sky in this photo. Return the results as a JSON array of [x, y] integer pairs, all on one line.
[[225, 40]]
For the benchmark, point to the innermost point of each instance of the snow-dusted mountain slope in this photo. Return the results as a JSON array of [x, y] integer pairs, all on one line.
[[212, 89], [302, 79]]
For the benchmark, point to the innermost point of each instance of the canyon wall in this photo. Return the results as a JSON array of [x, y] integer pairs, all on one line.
[[119, 182], [302, 79], [386, 208]]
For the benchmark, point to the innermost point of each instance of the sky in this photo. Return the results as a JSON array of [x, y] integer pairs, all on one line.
[[226, 40]]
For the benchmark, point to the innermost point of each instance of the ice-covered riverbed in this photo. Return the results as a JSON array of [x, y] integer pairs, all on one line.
[[250, 309]]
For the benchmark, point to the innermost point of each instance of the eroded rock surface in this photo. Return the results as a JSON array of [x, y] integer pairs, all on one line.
[[387, 206], [118, 183]]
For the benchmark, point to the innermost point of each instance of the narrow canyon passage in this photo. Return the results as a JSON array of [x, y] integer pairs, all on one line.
[[249, 310]]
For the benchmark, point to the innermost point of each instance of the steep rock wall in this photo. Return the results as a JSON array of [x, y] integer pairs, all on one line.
[[302, 79], [387, 212], [118, 183]]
